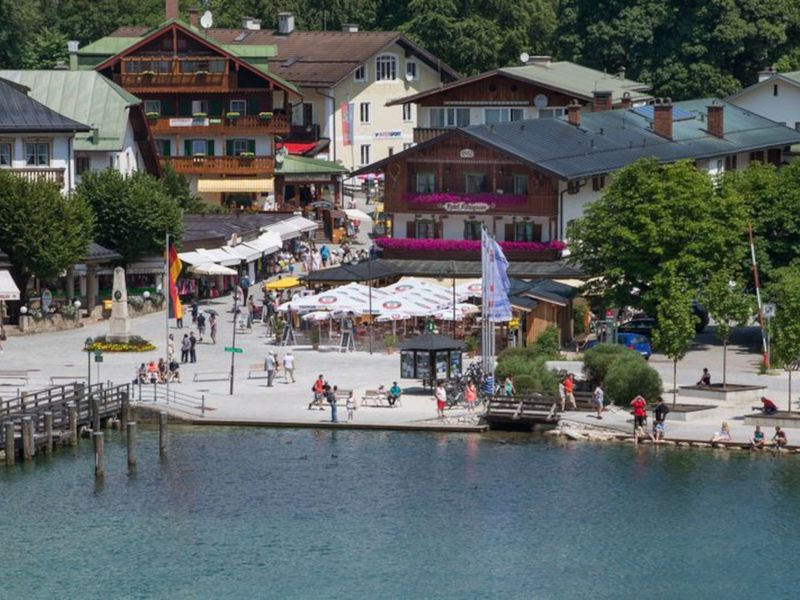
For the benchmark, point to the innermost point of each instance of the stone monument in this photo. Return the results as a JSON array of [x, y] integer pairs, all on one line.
[[119, 330]]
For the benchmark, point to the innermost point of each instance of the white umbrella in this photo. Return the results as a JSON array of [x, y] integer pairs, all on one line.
[[462, 310], [357, 215], [317, 315], [210, 268], [469, 289]]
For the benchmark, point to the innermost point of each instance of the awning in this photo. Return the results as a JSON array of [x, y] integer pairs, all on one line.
[[299, 147], [243, 252], [8, 288], [211, 269], [266, 243], [303, 224], [219, 256], [284, 229], [357, 215], [231, 185], [192, 258], [283, 284]]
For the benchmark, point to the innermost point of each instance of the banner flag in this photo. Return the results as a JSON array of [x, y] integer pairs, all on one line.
[[347, 123], [175, 266], [496, 283]]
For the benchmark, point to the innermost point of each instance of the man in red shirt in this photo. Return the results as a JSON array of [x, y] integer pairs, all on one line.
[[639, 405], [318, 389], [569, 389]]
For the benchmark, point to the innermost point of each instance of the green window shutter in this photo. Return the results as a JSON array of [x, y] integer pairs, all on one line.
[[185, 107], [215, 107], [167, 108], [252, 106], [228, 147], [251, 146], [210, 150], [166, 147], [187, 147]]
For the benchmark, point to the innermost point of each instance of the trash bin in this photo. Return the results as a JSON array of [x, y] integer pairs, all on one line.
[[107, 304]]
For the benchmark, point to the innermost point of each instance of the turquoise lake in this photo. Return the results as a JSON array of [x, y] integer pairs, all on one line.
[[282, 513]]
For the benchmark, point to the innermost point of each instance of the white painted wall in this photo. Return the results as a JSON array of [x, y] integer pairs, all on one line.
[[61, 155], [761, 100], [454, 225]]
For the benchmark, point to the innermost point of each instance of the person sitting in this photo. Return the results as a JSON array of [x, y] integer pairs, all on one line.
[[141, 374], [658, 432], [757, 440], [723, 435], [162, 371], [705, 378], [152, 371], [779, 439], [768, 407], [174, 371], [394, 393]]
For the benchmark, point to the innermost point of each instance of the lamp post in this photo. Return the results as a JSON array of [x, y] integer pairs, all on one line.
[[453, 271], [790, 367], [236, 311], [87, 345]]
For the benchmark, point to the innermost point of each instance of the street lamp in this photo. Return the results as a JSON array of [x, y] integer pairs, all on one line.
[[146, 295], [790, 367], [87, 345], [23, 310]]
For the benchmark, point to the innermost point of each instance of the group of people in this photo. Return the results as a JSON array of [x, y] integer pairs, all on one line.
[[758, 440], [324, 392], [273, 364], [660, 412], [162, 372]]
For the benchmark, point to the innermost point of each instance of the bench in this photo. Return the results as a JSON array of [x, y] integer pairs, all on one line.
[[378, 399], [23, 375], [342, 396], [212, 376], [256, 371], [55, 378]]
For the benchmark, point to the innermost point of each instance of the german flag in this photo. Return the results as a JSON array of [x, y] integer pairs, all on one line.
[[175, 266]]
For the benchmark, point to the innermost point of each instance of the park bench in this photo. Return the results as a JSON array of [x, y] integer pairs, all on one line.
[[378, 399], [212, 376], [342, 396], [10, 374], [256, 371], [70, 378]]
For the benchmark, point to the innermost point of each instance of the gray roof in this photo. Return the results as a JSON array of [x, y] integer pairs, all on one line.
[[19, 113], [432, 268], [201, 231], [609, 140]]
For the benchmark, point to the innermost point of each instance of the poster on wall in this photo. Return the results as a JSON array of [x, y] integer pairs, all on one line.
[[407, 365], [347, 108], [423, 366]]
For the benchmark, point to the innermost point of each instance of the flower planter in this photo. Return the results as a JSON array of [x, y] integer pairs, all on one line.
[[466, 249], [439, 198]]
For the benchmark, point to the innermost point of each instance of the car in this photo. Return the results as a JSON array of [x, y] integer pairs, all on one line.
[[644, 325], [633, 341]]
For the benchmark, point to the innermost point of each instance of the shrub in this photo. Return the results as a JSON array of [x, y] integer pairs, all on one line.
[[136, 302], [471, 343], [389, 340], [517, 364], [597, 360], [629, 375], [525, 384], [314, 335], [157, 299], [547, 343]]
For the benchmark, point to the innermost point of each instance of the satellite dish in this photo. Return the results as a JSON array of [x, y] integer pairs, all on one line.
[[524, 58], [409, 77], [206, 20], [540, 101]]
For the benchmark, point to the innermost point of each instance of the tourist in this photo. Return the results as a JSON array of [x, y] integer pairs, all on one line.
[[251, 311], [779, 439], [152, 371], [705, 378], [288, 366], [212, 323], [658, 432], [487, 385], [394, 393], [245, 284], [170, 346], [441, 398], [330, 396], [201, 326], [508, 386], [195, 310], [471, 396], [660, 411], [162, 370], [768, 407], [723, 435], [174, 371], [318, 389], [639, 434], [325, 255], [141, 374], [757, 441], [598, 397], [569, 391], [562, 393], [186, 345], [269, 367], [192, 347], [351, 407], [639, 405]]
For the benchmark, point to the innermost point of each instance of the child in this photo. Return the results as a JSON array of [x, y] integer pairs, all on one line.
[[351, 407]]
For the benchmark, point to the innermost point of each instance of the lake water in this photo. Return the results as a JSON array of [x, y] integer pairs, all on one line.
[[269, 513]]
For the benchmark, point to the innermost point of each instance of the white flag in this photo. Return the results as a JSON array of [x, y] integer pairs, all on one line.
[[496, 285]]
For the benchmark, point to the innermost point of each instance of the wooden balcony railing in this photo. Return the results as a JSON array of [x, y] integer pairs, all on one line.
[[423, 134], [226, 165], [245, 124], [183, 82], [34, 174]]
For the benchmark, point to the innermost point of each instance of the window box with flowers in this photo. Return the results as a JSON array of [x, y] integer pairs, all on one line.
[[265, 116], [482, 198], [232, 115], [200, 115], [152, 116]]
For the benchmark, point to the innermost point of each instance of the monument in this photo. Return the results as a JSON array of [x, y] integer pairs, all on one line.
[[119, 330]]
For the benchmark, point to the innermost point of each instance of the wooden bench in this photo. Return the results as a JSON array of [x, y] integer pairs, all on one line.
[[55, 378], [379, 399], [22, 375], [212, 376], [342, 396], [256, 371]]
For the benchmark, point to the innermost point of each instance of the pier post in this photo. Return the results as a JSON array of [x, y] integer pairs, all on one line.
[[27, 442], [99, 454], [11, 448], [95, 413], [203, 405], [73, 424], [131, 430], [125, 411], [162, 433], [48, 430]]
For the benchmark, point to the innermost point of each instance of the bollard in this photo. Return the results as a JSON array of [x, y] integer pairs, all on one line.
[[95, 414], [131, 430], [48, 431], [203, 405], [27, 433], [162, 434], [125, 411], [11, 448], [99, 454], [73, 425]]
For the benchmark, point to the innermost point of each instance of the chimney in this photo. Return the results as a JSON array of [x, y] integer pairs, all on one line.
[[662, 117], [766, 74], [716, 121], [72, 47], [350, 27], [626, 102], [60, 66], [194, 17], [574, 112], [601, 101], [251, 24], [173, 12], [542, 60], [285, 23]]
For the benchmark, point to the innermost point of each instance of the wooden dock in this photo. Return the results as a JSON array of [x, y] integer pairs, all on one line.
[[522, 412]]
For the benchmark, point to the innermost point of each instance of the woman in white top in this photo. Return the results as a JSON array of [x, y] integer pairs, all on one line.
[[441, 398]]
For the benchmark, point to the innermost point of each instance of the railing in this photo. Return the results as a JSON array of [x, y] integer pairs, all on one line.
[[278, 124], [423, 134], [184, 81], [230, 165], [304, 133], [159, 395], [34, 174]]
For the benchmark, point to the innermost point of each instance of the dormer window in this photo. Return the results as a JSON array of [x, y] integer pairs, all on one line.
[[360, 74], [386, 67]]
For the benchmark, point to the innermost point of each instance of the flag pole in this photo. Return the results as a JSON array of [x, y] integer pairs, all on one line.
[[167, 294]]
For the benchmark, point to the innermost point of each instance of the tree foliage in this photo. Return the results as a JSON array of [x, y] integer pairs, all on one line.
[[785, 292], [598, 359], [132, 213], [628, 376]]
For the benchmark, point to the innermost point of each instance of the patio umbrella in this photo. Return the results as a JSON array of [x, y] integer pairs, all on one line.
[[283, 284]]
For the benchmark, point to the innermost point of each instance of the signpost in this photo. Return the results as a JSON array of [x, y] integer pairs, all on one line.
[[234, 350], [769, 314]]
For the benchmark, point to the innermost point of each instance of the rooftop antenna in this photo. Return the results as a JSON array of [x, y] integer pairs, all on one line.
[[524, 58]]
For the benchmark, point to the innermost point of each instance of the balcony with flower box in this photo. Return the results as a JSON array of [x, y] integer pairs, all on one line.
[[535, 204], [222, 165], [425, 249], [231, 124]]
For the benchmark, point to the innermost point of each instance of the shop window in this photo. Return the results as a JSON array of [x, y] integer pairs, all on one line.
[[426, 182], [472, 230], [425, 229]]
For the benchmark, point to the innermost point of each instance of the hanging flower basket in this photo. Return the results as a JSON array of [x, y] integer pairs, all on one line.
[[232, 116]]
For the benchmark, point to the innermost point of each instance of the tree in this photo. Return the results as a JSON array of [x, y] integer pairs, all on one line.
[[177, 187], [132, 213], [730, 306], [18, 21], [675, 325], [42, 232], [651, 216], [785, 345], [629, 375], [45, 50]]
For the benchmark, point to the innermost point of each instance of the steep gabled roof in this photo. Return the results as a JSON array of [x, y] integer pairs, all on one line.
[[792, 78], [20, 113]]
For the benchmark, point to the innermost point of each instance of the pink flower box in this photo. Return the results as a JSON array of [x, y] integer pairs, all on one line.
[[463, 245]]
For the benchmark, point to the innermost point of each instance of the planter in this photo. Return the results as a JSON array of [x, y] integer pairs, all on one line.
[[153, 116], [265, 116], [232, 116], [732, 392]]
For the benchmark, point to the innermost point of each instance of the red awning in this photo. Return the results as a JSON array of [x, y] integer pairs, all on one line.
[[299, 147]]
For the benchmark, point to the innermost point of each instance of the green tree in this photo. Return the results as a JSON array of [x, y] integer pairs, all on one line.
[[629, 375], [675, 327], [42, 232], [18, 22], [177, 187], [784, 291], [730, 306], [45, 50], [132, 213], [652, 216]]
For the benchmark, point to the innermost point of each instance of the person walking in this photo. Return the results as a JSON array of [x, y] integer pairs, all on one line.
[[186, 346], [471, 396], [201, 326], [195, 310], [330, 396], [441, 398], [269, 366], [598, 397], [192, 348], [212, 322], [317, 389], [569, 391], [288, 366]]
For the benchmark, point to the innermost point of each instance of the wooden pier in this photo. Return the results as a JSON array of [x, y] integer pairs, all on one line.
[[522, 412]]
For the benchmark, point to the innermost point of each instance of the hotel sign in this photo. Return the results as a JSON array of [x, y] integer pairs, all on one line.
[[466, 207], [467, 153], [189, 122]]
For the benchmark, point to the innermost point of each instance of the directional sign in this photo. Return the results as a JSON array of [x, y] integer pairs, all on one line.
[[232, 349], [769, 310]]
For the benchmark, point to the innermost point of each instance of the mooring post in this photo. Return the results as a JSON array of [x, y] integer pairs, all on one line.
[[203, 405], [48, 430], [131, 430], [27, 434], [95, 414], [125, 411], [11, 447], [99, 454], [162, 433], [72, 412]]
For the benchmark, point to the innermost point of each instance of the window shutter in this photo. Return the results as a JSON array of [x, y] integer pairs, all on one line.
[[215, 106], [438, 229], [166, 147], [411, 230], [509, 233], [210, 149], [251, 146], [167, 108], [187, 147], [185, 107], [537, 232], [228, 147], [253, 106]]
